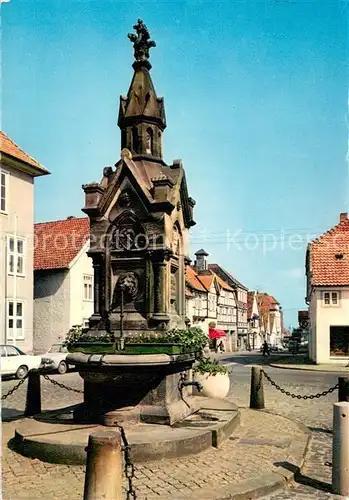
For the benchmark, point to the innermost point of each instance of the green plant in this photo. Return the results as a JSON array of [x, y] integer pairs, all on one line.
[[212, 367], [192, 339]]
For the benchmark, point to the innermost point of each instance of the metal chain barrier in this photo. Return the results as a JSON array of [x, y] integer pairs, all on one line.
[[11, 391], [129, 467], [62, 386], [299, 396]]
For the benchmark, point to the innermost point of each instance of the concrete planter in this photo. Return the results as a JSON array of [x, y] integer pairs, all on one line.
[[215, 386]]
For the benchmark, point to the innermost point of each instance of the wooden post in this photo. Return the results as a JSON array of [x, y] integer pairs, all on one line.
[[103, 477], [340, 449], [343, 389], [257, 390], [33, 401]]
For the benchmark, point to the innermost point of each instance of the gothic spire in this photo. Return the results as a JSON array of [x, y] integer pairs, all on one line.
[[141, 113]]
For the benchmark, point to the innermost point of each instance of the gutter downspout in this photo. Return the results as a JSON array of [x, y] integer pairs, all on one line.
[[15, 284]]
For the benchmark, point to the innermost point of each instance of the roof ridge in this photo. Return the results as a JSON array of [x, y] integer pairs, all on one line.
[[330, 231], [60, 220], [34, 160]]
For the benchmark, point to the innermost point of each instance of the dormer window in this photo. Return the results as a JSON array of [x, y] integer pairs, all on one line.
[[339, 256]]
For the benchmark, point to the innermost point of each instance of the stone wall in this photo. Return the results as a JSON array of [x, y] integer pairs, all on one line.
[[51, 308]]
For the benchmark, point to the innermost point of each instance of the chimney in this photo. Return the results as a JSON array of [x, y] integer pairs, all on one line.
[[70, 217], [343, 217], [201, 260]]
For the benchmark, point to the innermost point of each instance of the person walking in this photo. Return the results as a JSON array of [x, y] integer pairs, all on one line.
[[266, 350]]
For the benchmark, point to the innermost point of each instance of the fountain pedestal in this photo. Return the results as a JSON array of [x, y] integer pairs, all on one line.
[[130, 389]]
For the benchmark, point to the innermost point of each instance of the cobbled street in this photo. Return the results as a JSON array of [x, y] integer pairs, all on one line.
[[316, 414]]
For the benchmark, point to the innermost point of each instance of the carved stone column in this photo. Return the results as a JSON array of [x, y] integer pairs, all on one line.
[[160, 295], [96, 285]]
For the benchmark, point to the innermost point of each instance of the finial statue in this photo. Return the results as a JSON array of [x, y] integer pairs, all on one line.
[[141, 42]]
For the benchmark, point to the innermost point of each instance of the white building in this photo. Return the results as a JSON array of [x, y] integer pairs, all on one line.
[[327, 270], [239, 331], [270, 318], [255, 333], [203, 304], [63, 280], [199, 306], [17, 173]]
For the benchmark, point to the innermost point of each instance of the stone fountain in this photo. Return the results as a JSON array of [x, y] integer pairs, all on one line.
[[140, 215]]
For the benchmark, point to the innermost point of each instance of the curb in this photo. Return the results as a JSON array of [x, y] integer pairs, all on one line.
[[267, 483], [308, 369]]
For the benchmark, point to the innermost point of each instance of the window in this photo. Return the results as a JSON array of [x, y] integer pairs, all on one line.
[[3, 191], [339, 340], [149, 141], [331, 298], [11, 351], [88, 280], [15, 329], [15, 256]]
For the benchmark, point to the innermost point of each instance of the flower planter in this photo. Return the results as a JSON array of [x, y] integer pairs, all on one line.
[[153, 349], [214, 386], [109, 348], [92, 347]]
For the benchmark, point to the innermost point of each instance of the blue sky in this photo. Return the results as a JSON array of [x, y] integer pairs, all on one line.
[[256, 101]]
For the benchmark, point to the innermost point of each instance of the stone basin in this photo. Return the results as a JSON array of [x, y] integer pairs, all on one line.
[[134, 388]]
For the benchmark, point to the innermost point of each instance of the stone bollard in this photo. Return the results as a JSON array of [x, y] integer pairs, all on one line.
[[343, 389], [103, 477], [33, 400], [340, 449], [257, 391]]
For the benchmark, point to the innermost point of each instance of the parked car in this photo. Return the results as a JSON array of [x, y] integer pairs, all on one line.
[[15, 362], [55, 359], [279, 348]]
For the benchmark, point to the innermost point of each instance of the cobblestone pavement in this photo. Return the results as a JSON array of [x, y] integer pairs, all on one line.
[[315, 481], [264, 438], [24, 478]]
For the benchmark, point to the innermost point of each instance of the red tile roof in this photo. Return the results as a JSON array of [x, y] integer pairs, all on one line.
[[206, 280], [250, 299], [265, 304], [9, 147], [216, 268], [57, 243], [329, 256], [193, 280], [223, 284]]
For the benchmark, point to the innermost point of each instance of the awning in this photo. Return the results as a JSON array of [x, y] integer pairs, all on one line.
[[213, 333]]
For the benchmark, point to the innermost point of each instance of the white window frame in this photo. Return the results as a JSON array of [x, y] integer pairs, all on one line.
[[88, 281], [14, 317], [16, 255], [6, 177], [331, 293]]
